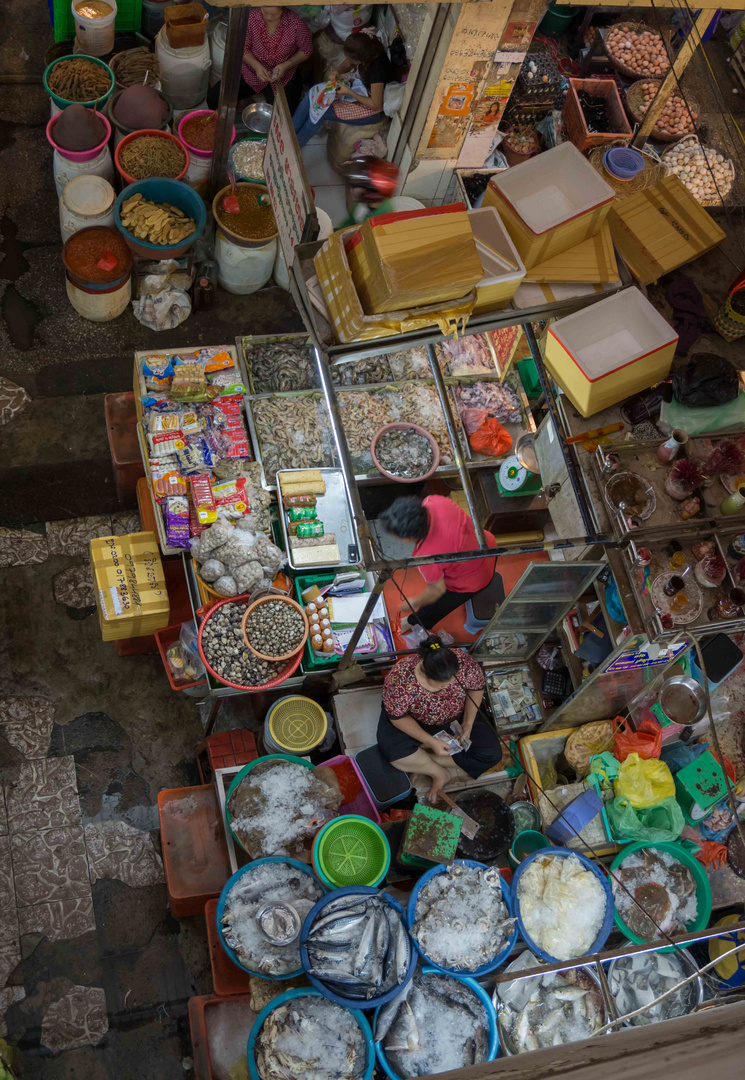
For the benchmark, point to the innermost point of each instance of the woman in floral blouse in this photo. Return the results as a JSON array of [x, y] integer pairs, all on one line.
[[423, 695]]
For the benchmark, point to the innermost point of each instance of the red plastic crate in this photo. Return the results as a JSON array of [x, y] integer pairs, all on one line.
[[224, 750], [195, 855], [164, 638], [364, 804], [121, 427], [201, 1011], [227, 977]]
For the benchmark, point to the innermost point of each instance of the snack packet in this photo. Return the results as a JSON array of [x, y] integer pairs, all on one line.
[[176, 521], [201, 496]]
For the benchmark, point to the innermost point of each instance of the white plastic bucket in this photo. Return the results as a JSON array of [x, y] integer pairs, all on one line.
[[243, 270], [281, 276], [85, 200], [184, 73], [100, 306], [66, 170], [198, 171], [94, 36], [153, 16], [400, 203], [218, 37]]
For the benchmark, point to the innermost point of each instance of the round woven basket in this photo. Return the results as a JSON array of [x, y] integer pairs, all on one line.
[[282, 600], [635, 100], [691, 139], [652, 172], [624, 69]]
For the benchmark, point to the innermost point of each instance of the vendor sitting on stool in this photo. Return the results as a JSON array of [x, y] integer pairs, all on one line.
[[423, 694], [437, 526]]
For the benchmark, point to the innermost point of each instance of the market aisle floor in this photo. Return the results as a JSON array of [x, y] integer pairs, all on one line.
[[94, 972]]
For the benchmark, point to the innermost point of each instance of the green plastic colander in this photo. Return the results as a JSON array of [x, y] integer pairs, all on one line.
[[351, 850]]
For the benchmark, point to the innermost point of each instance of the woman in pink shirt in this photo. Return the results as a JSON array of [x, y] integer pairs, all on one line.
[[438, 526], [277, 41]]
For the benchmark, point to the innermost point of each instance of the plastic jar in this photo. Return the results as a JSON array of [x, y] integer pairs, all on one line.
[[85, 200], [94, 35], [153, 16], [101, 305], [243, 270], [65, 169], [184, 73], [218, 37]]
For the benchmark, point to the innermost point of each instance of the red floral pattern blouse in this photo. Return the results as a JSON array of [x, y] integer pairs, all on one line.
[[292, 35], [403, 695]]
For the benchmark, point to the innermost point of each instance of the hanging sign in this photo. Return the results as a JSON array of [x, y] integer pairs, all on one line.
[[289, 190]]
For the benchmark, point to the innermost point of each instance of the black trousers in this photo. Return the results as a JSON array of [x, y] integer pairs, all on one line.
[[431, 614], [293, 92], [484, 752]]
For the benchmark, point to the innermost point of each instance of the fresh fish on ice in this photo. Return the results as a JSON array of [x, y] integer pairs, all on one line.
[[313, 1038], [638, 980]]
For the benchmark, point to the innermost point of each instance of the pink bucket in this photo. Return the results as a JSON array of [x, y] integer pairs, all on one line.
[[78, 155]]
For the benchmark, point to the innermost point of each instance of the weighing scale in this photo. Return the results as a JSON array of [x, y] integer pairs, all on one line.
[[514, 479]]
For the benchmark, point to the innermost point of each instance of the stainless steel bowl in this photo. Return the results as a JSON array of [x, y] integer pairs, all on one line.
[[694, 992], [683, 700], [257, 117]]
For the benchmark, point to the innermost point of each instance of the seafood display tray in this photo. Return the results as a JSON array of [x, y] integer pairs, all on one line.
[[247, 341], [513, 380], [335, 511]]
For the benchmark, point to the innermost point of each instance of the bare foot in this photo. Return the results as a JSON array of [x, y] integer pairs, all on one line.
[[438, 782]]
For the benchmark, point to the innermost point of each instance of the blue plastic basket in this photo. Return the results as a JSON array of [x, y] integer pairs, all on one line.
[[289, 995], [610, 907], [221, 909], [623, 162], [159, 189], [484, 969], [352, 1003], [480, 994]]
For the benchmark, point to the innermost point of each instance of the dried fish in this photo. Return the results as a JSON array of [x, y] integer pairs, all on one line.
[[279, 366], [421, 405], [362, 414], [404, 452], [373, 369], [293, 433], [410, 364]]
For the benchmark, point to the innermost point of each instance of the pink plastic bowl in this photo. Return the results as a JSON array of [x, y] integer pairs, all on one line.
[[398, 426], [194, 149], [78, 155]]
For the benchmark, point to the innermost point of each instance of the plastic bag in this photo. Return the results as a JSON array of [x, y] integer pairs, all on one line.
[[644, 783], [164, 311], [707, 379], [646, 741], [473, 419], [587, 741], [491, 439], [664, 821]]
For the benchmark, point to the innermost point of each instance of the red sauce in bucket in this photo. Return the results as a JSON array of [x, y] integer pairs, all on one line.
[[97, 254], [199, 132]]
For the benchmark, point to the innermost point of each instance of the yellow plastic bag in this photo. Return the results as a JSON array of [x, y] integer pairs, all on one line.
[[644, 782]]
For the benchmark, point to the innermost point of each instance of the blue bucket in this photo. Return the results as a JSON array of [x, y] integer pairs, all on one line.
[[352, 1003], [610, 907], [221, 910], [161, 190], [289, 995], [480, 994], [490, 965]]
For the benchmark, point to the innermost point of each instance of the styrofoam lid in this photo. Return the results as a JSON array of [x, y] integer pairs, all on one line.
[[88, 195], [552, 188], [613, 333]]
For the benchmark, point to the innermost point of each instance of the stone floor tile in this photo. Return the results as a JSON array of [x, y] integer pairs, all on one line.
[[49, 865], [125, 522], [118, 850], [43, 794], [72, 537], [19, 547], [58, 920], [78, 1018], [7, 892], [74, 587], [9, 996], [13, 399], [10, 958], [3, 814], [26, 722]]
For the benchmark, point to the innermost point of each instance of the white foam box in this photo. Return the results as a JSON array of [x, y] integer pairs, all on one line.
[[494, 245]]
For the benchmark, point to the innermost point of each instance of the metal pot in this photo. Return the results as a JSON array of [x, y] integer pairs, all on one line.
[[697, 991], [682, 700]]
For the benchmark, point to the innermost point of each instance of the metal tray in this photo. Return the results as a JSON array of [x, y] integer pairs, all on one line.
[[243, 348], [335, 511], [513, 380]]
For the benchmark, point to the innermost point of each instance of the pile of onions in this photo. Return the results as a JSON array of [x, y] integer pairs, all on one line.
[[642, 51], [675, 119], [686, 160]]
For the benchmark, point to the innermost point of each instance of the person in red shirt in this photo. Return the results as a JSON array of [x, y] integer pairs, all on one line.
[[277, 41], [437, 526]]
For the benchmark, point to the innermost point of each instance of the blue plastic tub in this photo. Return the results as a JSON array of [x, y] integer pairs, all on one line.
[[304, 867], [352, 1003], [160, 190], [623, 162], [480, 994], [484, 969], [246, 770], [610, 907], [289, 995]]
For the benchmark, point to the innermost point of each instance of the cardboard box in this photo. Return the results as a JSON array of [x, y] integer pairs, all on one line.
[[500, 281], [661, 228], [349, 321], [413, 258], [609, 351], [550, 203], [130, 585], [593, 260]]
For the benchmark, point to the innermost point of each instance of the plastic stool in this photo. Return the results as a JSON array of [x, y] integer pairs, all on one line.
[[387, 785], [480, 608]]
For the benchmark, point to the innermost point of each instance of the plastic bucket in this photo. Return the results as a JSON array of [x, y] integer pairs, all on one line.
[[79, 155], [194, 150], [610, 907], [243, 270], [153, 16], [86, 200], [303, 867], [558, 19], [483, 997], [290, 995], [62, 103], [102, 305], [65, 170], [120, 131], [247, 769], [158, 134], [235, 238], [94, 36], [483, 969], [401, 203], [348, 1003], [167, 191], [218, 37], [525, 843], [184, 73]]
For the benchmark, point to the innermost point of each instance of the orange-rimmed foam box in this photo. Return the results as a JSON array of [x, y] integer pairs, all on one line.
[[610, 350], [550, 203]]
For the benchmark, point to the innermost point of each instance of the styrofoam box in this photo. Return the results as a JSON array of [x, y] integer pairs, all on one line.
[[610, 350], [499, 283]]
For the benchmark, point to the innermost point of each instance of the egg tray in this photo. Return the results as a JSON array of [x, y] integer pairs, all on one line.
[[535, 89]]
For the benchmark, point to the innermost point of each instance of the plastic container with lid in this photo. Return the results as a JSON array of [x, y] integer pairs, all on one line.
[[85, 200], [243, 270], [550, 203], [83, 156], [99, 305], [610, 350], [153, 16], [218, 37], [65, 170], [184, 73], [94, 27]]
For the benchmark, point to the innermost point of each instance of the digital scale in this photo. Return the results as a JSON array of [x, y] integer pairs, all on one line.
[[514, 479]]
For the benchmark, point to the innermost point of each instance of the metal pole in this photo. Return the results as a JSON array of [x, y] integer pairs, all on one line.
[[454, 437], [372, 600], [235, 46]]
